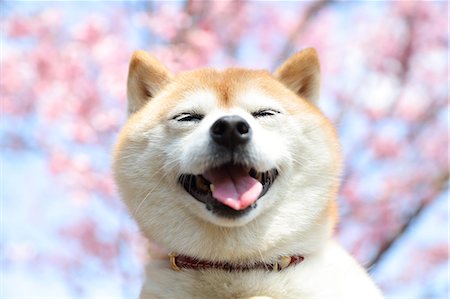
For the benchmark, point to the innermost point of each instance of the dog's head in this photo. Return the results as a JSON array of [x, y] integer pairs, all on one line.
[[220, 156]]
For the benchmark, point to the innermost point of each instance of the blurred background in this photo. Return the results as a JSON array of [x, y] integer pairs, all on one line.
[[64, 231]]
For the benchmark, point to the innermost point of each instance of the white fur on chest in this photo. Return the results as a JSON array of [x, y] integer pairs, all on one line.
[[328, 274]]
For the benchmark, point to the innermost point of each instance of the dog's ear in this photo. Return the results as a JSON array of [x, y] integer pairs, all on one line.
[[301, 74], [146, 77]]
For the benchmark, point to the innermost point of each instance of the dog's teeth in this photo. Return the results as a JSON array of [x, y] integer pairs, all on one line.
[[258, 176], [212, 187]]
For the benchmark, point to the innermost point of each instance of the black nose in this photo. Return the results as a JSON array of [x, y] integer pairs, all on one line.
[[230, 131]]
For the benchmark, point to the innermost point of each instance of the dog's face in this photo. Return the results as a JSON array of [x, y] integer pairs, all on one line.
[[213, 151]]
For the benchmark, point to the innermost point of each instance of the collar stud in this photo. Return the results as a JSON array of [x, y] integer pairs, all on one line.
[[173, 261]]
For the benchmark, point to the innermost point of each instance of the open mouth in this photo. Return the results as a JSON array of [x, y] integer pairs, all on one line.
[[229, 190]]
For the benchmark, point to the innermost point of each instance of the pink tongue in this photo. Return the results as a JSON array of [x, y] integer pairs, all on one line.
[[234, 187]]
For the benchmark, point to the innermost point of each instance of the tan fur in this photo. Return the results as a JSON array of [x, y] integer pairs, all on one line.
[[300, 73], [296, 216], [146, 77]]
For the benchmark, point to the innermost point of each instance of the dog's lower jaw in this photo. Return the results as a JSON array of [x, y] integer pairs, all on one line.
[[230, 223], [201, 188]]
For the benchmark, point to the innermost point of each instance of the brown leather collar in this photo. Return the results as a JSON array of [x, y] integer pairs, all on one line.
[[178, 262]]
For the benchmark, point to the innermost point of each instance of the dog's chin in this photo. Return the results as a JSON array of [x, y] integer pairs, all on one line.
[[221, 212], [240, 221]]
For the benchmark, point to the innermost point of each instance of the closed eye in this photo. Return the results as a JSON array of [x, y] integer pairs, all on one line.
[[196, 117], [265, 112]]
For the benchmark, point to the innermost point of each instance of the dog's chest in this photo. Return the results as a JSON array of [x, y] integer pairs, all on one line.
[[166, 283]]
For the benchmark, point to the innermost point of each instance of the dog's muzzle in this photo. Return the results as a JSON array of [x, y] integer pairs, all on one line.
[[231, 187]]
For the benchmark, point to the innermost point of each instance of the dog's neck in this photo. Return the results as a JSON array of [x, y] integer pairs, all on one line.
[[179, 262], [304, 244]]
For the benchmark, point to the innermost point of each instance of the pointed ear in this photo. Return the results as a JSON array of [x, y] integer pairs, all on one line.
[[301, 74], [146, 77]]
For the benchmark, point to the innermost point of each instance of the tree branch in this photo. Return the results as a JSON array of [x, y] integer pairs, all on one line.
[[440, 184], [288, 47]]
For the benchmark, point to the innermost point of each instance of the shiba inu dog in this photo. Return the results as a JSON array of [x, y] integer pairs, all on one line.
[[235, 174]]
